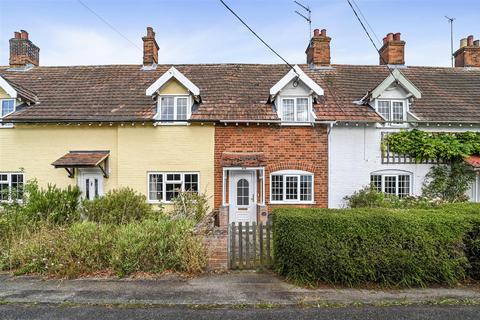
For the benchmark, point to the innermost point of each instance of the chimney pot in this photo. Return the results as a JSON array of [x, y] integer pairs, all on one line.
[[470, 40], [393, 50], [16, 35], [476, 43], [318, 50], [24, 34], [463, 42]]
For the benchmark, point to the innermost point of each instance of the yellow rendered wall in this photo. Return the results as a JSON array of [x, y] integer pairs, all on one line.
[[173, 87], [3, 94], [134, 150]]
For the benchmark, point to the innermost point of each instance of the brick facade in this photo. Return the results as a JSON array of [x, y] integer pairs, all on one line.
[[318, 51], [283, 148], [469, 54]]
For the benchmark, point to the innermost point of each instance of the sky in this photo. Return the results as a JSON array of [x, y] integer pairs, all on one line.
[[203, 31]]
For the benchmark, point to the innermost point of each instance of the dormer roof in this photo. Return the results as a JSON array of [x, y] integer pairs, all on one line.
[[172, 73], [296, 73]]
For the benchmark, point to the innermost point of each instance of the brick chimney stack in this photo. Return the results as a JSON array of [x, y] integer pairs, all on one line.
[[468, 55], [22, 51], [150, 49], [318, 50], [393, 50]]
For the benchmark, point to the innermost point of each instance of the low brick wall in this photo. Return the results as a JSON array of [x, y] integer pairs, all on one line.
[[216, 244]]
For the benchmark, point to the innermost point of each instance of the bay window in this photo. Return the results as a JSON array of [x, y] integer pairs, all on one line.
[[295, 109], [291, 186], [11, 186], [165, 186]]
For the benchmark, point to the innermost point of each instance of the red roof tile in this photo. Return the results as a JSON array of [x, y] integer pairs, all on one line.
[[474, 161]]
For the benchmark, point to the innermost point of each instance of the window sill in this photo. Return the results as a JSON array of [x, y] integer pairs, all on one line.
[[297, 124], [6, 126], [292, 202], [174, 123]]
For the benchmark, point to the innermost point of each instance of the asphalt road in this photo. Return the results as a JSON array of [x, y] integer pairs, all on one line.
[[53, 312]]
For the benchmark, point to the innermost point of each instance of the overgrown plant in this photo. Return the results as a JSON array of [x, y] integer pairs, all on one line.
[[368, 197], [449, 182], [118, 206], [194, 206]]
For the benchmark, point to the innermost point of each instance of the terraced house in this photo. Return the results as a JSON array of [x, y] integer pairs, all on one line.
[[251, 136]]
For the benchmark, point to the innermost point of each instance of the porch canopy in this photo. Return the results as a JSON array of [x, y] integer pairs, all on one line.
[[83, 159]]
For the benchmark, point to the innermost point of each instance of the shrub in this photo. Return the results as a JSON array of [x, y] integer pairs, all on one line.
[[156, 245], [53, 205], [449, 182], [368, 197], [390, 247], [119, 206]]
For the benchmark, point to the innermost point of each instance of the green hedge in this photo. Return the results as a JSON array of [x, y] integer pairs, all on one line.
[[390, 247]]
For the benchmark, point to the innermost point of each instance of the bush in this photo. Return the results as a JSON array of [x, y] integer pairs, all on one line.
[[153, 245], [389, 247], [52, 205], [368, 197], [119, 206], [156, 245]]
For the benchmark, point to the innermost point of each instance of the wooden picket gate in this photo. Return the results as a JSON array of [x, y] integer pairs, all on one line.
[[250, 245]]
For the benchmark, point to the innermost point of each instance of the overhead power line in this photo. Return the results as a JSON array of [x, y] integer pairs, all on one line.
[[259, 38], [371, 40], [366, 21], [109, 24]]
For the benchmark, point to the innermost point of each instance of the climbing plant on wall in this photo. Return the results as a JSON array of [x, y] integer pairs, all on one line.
[[422, 145], [448, 181]]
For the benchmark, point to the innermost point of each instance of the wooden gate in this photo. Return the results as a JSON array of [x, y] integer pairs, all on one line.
[[250, 245]]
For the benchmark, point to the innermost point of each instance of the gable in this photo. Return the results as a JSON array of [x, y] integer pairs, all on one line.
[[396, 78], [394, 91], [296, 89], [296, 74], [4, 94], [172, 73], [173, 87]]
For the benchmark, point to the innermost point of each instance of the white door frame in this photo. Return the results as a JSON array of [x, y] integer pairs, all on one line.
[[241, 213], [91, 174]]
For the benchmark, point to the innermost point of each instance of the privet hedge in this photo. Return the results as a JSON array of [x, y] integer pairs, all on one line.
[[390, 247]]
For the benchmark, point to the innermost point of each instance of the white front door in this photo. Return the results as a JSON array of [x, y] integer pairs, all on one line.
[[243, 205], [91, 184]]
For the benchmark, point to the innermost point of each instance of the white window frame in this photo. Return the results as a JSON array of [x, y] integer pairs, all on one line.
[[292, 173], [396, 174], [7, 125], [390, 121], [9, 183], [310, 117], [164, 183], [175, 98]]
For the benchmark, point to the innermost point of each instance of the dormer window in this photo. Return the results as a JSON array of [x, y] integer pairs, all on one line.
[[174, 108], [295, 109], [7, 107], [393, 111]]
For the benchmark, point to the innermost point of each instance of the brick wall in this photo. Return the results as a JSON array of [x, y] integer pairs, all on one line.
[[295, 148], [217, 249]]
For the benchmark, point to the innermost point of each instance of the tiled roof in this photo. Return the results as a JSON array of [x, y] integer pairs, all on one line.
[[235, 92], [23, 92], [474, 161], [81, 159], [243, 159]]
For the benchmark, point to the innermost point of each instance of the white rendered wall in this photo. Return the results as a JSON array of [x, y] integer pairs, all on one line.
[[354, 153]]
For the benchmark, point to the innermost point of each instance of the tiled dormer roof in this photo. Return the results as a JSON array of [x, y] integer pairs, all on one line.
[[235, 92]]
